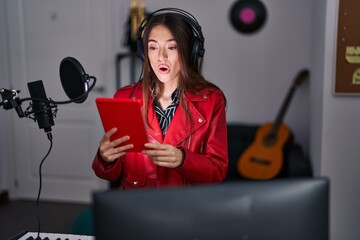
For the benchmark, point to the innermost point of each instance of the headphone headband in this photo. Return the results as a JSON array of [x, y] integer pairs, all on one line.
[[197, 44]]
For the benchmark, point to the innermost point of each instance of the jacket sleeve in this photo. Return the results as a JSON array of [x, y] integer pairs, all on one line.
[[110, 172], [209, 166]]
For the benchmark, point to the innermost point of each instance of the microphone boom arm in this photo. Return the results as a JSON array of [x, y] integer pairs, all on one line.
[[11, 99]]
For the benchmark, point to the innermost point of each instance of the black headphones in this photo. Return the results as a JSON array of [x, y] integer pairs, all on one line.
[[197, 43]]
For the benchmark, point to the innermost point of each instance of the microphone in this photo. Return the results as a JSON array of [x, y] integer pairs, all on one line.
[[42, 110], [41, 107]]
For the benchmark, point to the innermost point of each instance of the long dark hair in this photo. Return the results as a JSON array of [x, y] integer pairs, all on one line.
[[191, 78]]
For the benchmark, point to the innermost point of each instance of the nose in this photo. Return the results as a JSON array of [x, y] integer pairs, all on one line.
[[163, 55]]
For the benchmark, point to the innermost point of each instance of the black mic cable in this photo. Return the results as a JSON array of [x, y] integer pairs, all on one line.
[[40, 185]]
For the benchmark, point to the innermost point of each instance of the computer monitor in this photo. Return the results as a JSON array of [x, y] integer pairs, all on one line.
[[282, 209]]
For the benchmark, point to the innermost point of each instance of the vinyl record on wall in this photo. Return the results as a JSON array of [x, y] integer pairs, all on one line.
[[248, 16]]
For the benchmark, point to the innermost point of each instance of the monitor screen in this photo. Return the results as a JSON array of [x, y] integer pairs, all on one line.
[[281, 209]]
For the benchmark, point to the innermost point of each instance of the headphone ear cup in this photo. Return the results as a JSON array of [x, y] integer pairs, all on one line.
[[195, 50], [140, 49]]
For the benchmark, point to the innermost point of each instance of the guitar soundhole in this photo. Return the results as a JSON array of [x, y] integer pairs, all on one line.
[[260, 161], [269, 140]]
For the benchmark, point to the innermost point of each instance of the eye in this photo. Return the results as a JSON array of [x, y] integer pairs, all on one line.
[[152, 47], [172, 47]]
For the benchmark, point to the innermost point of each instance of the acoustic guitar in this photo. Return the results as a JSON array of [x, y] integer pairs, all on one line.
[[264, 158]]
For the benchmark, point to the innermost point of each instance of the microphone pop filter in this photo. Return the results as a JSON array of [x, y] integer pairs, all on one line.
[[74, 80]]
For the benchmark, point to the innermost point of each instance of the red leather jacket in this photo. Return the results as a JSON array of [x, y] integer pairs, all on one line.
[[205, 145]]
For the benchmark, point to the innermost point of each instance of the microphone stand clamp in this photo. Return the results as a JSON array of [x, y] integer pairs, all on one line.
[[11, 100]]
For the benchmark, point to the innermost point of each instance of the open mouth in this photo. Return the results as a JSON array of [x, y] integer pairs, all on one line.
[[163, 69]]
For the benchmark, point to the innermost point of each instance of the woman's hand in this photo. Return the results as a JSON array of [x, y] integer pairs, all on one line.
[[109, 150], [164, 155]]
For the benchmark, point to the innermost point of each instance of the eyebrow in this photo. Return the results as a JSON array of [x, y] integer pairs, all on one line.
[[169, 40]]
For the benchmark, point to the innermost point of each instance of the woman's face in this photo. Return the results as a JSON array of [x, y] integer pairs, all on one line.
[[163, 55]]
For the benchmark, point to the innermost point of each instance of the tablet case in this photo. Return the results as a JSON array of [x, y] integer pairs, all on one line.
[[126, 116]]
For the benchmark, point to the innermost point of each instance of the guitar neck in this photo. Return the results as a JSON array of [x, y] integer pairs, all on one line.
[[281, 114]]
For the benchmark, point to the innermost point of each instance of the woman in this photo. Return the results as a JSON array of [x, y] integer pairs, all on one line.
[[185, 113]]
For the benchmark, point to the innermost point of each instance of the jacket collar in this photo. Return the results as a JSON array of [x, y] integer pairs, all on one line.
[[180, 128]]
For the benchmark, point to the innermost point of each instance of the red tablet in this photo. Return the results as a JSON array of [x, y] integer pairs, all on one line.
[[126, 116]]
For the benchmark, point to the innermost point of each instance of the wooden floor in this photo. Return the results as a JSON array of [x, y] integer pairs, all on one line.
[[56, 217]]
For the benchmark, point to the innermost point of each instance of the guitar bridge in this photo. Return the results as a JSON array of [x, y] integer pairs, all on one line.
[[260, 161]]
